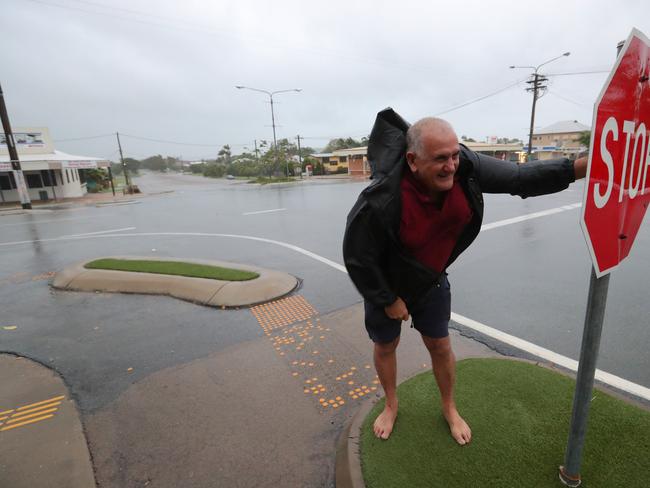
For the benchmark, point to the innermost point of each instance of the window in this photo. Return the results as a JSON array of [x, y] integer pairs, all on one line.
[[343, 159], [7, 182], [334, 163], [34, 181], [45, 176]]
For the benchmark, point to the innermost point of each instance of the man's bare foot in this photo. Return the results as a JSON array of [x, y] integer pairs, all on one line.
[[460, 431], [384, 423]]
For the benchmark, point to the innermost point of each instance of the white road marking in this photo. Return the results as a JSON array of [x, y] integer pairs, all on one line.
[[535, 215], [264, 211], [565, 362], [568, 363], [98, 232]]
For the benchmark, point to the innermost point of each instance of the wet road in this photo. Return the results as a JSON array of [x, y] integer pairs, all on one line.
[[529, 279]]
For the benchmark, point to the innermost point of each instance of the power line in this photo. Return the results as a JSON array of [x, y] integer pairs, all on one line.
[[84, 138], [566, 99], [470, 102], [178, 143], [579, 73]]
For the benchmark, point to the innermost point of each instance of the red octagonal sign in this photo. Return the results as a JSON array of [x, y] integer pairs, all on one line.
[[617, 191]]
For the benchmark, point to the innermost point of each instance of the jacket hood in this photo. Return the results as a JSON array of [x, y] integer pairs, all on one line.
[[387, 142]]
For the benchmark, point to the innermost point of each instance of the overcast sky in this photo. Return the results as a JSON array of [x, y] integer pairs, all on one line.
[[167, 69]]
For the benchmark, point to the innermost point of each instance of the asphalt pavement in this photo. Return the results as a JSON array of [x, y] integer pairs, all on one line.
[[163, 384]]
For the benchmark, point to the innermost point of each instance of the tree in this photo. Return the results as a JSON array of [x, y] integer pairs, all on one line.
[[585, 138], [155, 163], [341, 143], [224, 154]]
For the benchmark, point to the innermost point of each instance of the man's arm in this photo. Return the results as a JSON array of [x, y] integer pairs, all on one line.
[[526, 180], [364, 245]]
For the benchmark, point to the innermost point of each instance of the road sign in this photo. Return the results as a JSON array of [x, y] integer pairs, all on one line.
[[617, 191]]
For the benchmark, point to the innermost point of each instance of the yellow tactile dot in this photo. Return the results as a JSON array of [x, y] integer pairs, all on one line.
[[308, 381], [331, 401], [314, 379], [322, 400], [350, 382], [367, 366], [338, 398], [294, 363], [320, 386], [373, 388], [322, 390], [355, 396], [361, 393], [351, 392], [357, 389], [305, 390], [335, 405], [353, 368], [294, 374], [311, 364], [322, 337], [330, 361], [338, 378]]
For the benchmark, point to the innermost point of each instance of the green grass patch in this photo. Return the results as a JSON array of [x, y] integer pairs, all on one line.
[[519, 414], [265, 180], [178, 268]]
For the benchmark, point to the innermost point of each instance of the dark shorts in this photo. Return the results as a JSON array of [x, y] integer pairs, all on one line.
[[430, 316]]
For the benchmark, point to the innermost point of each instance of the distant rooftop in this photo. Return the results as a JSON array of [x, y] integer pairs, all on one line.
[[563, 127]]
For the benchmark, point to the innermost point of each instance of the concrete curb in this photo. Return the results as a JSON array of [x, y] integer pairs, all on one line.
[[348, 456], [47, 448], [214, 293]]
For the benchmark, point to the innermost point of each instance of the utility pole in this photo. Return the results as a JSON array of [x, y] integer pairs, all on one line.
[[126, 173], [13, 155], [256, 151], [536, 82], [299, 155], [270, 94], [536, 86]]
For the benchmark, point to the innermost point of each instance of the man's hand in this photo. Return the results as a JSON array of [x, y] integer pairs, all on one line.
[[397, 310], [580, 167]]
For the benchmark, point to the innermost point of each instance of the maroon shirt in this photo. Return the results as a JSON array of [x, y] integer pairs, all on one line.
[[430, 233]]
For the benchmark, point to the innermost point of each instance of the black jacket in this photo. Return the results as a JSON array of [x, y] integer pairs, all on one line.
[[378, 264]]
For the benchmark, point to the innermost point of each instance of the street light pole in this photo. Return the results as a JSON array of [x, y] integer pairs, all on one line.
[[536, 82], [270, 94]]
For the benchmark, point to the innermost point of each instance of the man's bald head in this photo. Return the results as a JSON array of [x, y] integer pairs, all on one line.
[[428, 126]]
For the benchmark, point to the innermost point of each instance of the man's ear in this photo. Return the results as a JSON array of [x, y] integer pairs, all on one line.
[[410, 159]]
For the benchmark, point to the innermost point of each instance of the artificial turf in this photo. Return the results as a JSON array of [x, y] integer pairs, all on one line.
[[519, 414], [178, 268]]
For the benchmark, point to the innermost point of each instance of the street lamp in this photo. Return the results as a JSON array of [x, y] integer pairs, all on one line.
[[270, 94], [536, 80]]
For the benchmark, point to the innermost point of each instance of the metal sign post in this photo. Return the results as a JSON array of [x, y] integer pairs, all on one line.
[[570, 472]]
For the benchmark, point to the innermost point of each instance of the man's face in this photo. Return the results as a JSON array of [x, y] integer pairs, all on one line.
[[436, 166]]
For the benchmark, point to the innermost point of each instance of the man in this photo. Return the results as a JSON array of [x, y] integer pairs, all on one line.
[[423, 209]]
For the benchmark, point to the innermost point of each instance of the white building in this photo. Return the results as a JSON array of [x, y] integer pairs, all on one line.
[[49, 174]]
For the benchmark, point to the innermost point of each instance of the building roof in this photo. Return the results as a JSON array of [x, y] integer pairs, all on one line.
[[485, 146], [351, 150], [563, 127], [56, 160]]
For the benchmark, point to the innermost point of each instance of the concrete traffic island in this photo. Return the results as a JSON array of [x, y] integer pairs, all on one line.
[[270, 284]]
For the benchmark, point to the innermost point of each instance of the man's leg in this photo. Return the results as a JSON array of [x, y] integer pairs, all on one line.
[[386, 365], [444, 369]]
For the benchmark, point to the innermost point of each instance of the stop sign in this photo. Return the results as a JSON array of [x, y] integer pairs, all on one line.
[[617, 191]]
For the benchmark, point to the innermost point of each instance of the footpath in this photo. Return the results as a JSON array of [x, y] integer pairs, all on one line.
[[251, 415]]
